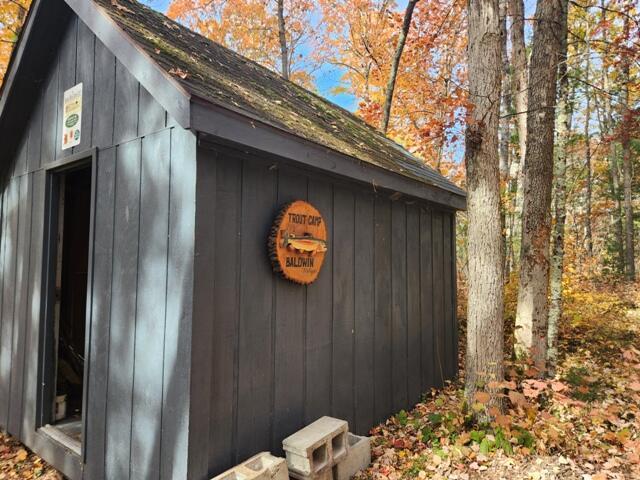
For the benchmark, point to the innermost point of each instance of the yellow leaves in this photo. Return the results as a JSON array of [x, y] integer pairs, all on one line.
[[21, 456]]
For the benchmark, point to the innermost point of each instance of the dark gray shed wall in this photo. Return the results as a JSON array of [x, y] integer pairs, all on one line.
[[364, 341], [138, 368]]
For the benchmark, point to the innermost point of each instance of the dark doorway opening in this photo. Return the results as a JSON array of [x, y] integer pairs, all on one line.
[[69, 233]]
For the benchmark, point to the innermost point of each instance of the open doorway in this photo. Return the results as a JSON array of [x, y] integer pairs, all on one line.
[[69, 235]]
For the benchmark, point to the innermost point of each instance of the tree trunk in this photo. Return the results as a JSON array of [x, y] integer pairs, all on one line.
[[393, 74], [505, 136], [614, 175], [587, 148], [282, 35], [629, 254], [485, 302], [533, 307], [629, 249], [519, 89], [563, 129]]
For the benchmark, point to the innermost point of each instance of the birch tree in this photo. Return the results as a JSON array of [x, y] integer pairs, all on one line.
[[563, 133], [587, 145], [519, 88], [629, 240], [533, 307], [485, 301]]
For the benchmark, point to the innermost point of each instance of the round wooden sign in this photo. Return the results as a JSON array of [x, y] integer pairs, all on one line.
[[298, 242]]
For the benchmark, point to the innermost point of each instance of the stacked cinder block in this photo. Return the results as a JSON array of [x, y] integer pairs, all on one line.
[[262, 466], [358, 457], [313, 451], [325, 450]]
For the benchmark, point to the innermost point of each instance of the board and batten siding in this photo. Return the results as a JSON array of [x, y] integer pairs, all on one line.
[[375, 331], [140, 304]]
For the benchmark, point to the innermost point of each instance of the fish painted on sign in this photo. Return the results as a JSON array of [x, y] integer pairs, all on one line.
[[304, 244]]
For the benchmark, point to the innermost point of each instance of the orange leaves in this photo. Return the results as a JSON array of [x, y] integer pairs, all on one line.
[[250, 27], [12, 16], [482, 397]]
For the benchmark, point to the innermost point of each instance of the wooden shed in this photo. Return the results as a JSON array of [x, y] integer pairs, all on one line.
[[145, 333]]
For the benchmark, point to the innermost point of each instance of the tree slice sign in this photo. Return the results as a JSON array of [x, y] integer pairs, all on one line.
[[298, 242]]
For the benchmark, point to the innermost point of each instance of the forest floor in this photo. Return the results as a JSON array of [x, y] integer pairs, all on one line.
[[582, 424]]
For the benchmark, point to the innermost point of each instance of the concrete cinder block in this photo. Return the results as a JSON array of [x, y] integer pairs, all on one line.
[[317, 447], [358, 458], [326, 474], [262, 466]]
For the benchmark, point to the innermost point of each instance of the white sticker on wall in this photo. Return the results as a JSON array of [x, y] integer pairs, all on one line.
[[72, 117]]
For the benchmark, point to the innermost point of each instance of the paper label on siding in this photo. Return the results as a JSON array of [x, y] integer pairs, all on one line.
[[72, 117]]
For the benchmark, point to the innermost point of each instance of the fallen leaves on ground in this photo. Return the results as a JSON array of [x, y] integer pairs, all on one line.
[[584, 423], [18, 462]]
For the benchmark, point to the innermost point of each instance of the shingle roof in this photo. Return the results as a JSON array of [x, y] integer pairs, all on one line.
[[222, 77]]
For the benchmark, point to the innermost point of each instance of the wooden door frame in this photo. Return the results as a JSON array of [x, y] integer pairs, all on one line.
[[46, 371]]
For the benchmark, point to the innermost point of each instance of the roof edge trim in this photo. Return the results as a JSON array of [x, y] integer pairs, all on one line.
[[237, 128], [165, 89]]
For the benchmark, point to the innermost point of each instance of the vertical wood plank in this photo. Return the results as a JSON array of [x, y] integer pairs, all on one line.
[[364, 308], [67, 78], [318, 369], [20, 323], [151, 115], [202, 348], [454, 292], [8, 298], [34, 149], [50, 110], [449, 314], [438, 298], [426, 300], [399, 332], [34, 306], [19, 166], [178, 333], [223, 259], [288, 402], [382, 321], [343, 304], [146, 425], [104, 101], [101, 301], [256, 312], [126, 105], [86, 57], [414, 329], [4, 262], [123, 311]]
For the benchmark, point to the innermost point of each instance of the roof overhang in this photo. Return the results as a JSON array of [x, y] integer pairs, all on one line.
[[234, 128]]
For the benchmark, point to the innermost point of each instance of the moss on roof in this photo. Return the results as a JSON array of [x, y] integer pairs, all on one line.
[[220, 76]]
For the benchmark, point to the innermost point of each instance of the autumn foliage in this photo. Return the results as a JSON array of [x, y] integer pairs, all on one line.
[[12, 16]]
